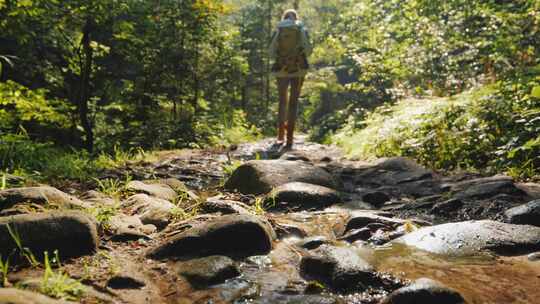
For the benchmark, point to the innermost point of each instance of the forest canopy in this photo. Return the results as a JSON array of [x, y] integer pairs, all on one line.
[[99, 76]]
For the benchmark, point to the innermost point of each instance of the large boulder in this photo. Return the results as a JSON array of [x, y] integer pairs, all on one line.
[[393, 171], [43, 196], [527, 214], [490, 189], [162, 191], [402, 175], [233, 235], [302, 196], [339, 267], [424, 291], [261, 176], [72, 233], [468, 238], [151, 210], [18, 296], [208, 270]]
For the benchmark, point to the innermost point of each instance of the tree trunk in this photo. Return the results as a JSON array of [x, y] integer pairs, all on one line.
[[267, 72], [85, 86]]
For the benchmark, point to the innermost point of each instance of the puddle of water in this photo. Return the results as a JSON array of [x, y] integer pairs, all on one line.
[[480, 279]]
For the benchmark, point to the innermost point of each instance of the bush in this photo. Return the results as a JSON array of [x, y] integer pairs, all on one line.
[[493, 129]]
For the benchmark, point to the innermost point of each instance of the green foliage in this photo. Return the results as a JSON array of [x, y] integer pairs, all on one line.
[[492, 130], [23, 251], [57, 284], [113, 187], [236, 129], [104, 213], [4, 270]]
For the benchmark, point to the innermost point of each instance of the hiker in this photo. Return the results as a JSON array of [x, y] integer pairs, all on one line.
[[290, 48]]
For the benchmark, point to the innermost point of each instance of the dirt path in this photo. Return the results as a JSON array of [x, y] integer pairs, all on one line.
[[346, 251]]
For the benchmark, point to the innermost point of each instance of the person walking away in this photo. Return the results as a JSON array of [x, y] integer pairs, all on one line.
[[290, 47]]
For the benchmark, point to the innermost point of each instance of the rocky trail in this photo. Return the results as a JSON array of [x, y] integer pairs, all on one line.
[[252, 226]]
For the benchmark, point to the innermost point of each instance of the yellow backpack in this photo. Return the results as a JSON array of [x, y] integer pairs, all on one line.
[[290, 56]]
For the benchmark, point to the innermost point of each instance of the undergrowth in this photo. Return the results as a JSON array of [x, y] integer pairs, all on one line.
[[44, 162], [56, 283], [493, 129]]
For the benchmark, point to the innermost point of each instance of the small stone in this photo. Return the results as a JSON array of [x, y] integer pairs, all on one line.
[[151, 210], [527, 214], [302, 196], [125, 281], [447, 206], [376, 198], [161, 191], [424, 291], [208, 271], [313, 242], [534, 256], [216, 204], [351, 236]]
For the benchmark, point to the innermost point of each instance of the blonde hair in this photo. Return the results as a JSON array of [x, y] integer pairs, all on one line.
[[289, 11]]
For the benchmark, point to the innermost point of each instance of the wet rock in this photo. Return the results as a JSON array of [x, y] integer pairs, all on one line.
[[468, 238], [424, 291], [216, 204], [534, 256], [362, 234], [125, 281], [527, 214], [375, 198], [313, 242], [161, 191], [293, 299], [448, 206], [39, 196], [18, 296], [339, 267], [302, 196], [380, 237], [235, 235], [295, 156], [490, 189], [361, 220], [208, 271], [261, 176], [72, 233], [287, 230], [394, 171], [150, 210]]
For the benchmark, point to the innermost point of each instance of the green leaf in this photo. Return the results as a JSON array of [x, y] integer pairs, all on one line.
[[536, 92]]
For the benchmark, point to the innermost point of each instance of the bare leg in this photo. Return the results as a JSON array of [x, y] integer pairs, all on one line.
[[296, 87], [283, 85]]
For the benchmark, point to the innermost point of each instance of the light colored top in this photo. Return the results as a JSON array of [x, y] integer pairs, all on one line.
[[305, 44]]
